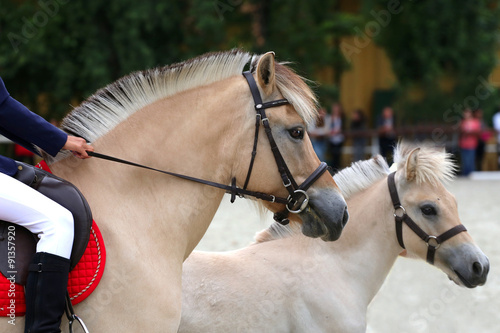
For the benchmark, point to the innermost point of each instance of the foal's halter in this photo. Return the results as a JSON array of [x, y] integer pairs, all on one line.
[[433, 242], [297, 199]]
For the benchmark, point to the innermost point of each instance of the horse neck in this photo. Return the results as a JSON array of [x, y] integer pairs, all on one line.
[[368, 248], [193, 133]]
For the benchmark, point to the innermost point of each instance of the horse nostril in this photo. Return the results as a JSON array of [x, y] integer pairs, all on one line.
[[345, 218], [477, 268]]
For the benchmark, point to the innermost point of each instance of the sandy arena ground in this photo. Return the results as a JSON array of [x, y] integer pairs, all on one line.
[[416, 297]]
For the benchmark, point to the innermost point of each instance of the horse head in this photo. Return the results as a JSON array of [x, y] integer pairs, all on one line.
[[321, 208], [430, 223]]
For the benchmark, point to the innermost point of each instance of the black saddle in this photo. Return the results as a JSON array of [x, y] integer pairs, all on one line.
[[18, 244]]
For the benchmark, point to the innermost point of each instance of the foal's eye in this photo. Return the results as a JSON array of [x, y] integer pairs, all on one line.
[[297, 133], [428, 210]]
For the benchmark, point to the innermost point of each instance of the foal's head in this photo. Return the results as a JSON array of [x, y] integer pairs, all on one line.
[[419, 181]]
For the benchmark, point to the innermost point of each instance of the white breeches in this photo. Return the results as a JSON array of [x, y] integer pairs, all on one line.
[[22, 205]]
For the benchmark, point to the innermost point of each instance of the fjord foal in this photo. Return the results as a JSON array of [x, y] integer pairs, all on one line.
[[290, 283], [198, 119]]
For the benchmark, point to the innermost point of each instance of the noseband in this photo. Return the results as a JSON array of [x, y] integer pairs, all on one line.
[[433, 242], [298, 199]]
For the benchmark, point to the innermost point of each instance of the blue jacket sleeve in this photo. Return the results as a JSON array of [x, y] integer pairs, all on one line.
[[27, 128]]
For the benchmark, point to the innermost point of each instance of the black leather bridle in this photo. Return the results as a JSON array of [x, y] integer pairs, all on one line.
[[297, 199], [433, 242]]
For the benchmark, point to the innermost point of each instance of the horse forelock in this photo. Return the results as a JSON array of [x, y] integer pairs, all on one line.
[[434, 165], [294, 88]]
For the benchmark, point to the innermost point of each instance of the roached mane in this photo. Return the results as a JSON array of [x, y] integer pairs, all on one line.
[[435, 165], [114, 103]]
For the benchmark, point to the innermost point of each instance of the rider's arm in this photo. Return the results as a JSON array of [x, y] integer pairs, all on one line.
[[29, 129]]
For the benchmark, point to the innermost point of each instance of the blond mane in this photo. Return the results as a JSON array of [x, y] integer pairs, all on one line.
[[354, 179], [434, 166], [113, 104]]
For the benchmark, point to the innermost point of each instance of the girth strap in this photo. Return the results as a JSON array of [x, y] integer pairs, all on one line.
[[433, 242]]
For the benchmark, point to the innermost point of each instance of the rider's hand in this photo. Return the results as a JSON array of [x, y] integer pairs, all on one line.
[[78, 146]]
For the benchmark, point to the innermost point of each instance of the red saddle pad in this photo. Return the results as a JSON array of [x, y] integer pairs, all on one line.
[[83, 279]]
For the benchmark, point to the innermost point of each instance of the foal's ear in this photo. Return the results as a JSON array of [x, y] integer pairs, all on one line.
[[265, 73], [412, 164]]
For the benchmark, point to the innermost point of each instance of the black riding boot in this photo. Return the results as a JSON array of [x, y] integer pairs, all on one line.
[[46, 293]]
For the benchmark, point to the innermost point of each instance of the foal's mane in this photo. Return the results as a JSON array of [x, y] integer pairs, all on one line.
[[113, 104], [354, 179], [434, 166]]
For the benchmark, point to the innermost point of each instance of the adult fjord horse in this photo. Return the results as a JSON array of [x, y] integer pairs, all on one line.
[[196, 118], [290, 283]]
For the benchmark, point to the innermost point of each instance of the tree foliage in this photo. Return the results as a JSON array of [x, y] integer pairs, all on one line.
[[54, 53], [442, 53], [57, 52], [67, 50]]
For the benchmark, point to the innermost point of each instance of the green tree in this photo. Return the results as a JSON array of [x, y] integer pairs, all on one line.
[[54, 53], [67, 50], [442, 53], [307, 33]]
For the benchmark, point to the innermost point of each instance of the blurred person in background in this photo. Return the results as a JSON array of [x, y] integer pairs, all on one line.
[[482, 140], [318, 133], [496, 127], [335, 124], [358, 134], [387, 133], [470, 128]]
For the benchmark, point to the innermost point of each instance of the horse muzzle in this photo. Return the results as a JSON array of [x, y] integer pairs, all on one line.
[[469, 265], [325, 215]]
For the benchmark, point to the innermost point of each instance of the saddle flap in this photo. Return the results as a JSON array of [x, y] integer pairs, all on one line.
[[17, 246]]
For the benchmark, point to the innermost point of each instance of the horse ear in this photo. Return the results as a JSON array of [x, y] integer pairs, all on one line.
[[411, 165], [265, 73]]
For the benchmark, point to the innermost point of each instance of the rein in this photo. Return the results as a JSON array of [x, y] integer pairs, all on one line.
[[297, 199], [232, 189], [433, 242]]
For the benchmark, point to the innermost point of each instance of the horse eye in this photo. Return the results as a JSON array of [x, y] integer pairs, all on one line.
[[428, 210], [297, 133]]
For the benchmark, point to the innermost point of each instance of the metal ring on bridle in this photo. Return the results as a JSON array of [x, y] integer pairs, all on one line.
[[303, 205], [428, 241], [402, 209]]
